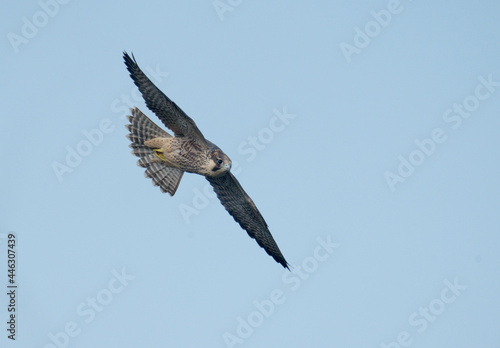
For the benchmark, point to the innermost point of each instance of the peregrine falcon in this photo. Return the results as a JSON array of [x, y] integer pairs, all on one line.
[[167, 157]]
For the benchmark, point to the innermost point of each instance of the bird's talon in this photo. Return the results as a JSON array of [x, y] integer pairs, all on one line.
[[159, 154]]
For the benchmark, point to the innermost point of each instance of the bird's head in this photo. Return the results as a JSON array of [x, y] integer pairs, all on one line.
[[220, 164]]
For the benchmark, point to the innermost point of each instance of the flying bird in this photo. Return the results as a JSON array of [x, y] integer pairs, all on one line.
[[167, 157]]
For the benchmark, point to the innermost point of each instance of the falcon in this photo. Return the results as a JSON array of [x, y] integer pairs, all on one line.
[[166, 158]]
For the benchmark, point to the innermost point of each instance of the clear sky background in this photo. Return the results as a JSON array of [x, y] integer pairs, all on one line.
[[365, 131]]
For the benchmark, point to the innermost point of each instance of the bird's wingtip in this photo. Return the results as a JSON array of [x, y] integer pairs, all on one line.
[[127, 58], [286, 265]]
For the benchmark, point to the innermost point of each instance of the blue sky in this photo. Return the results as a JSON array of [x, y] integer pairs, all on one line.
[[365, 131]]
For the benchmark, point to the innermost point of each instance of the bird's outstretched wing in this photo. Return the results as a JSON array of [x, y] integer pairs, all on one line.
[[167, 111], [243, 210]]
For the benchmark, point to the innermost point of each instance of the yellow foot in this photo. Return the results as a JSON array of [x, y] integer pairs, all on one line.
[[159, 154]]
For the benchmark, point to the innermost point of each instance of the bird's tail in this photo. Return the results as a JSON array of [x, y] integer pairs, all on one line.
[[141, 130]]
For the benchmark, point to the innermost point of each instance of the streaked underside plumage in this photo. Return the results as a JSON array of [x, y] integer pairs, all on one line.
[[166, 158]]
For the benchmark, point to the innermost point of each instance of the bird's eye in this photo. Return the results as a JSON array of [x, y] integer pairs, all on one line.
[[219, 161]]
